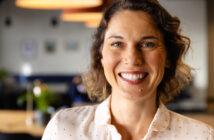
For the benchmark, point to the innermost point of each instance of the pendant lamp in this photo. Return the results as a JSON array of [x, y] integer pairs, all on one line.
[[91, 16], [92, 24], [81, 15], [57, 4]]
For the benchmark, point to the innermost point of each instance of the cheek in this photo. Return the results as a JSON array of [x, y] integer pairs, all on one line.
[[109, 62], [157, 59], [109, 59]]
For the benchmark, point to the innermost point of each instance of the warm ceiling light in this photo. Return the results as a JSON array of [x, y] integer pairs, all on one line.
[[57, 4], [92, 16], [92, 24], [81, 16]]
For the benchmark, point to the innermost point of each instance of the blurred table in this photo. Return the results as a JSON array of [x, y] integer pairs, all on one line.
[[14, 121]]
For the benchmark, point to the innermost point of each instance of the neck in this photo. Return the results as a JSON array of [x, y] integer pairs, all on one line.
[[131, 116]]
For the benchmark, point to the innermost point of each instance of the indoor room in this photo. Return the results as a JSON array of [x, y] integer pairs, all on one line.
[[45, 51]]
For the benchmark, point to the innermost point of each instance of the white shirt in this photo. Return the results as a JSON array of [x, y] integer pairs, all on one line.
[[94, 123]]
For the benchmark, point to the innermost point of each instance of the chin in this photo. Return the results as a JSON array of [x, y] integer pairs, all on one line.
[[137, 94]]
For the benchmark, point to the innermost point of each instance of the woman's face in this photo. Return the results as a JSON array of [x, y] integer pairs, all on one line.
[[133, 55]]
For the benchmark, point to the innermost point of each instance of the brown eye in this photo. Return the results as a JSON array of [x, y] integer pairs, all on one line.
[[116, 44]]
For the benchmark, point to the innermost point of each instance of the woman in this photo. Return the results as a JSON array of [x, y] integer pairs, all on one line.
[[136, 68]]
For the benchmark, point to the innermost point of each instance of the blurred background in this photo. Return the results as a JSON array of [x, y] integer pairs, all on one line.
[[45, 48]]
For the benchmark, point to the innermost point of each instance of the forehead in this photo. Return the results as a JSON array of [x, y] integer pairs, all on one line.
[[133, 23]]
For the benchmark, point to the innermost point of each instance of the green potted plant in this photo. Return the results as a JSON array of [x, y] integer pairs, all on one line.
[[42, 98], [3, 75], [42, 102]]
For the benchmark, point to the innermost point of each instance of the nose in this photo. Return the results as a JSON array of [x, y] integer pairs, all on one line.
[[133, 56]]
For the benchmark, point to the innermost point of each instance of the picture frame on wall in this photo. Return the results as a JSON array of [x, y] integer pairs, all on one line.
[[28, 48], [71, 45], [50, 46]]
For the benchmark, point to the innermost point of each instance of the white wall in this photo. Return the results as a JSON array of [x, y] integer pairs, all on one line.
[[31, 24], [35, 25]]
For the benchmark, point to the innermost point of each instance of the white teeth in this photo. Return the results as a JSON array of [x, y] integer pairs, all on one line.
[[132, 77]]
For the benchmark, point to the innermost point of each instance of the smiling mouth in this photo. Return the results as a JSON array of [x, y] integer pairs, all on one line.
[[133, 77]]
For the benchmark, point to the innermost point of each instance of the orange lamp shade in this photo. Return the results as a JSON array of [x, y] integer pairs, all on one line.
[[82, 16], [92, 23], [57, 4]]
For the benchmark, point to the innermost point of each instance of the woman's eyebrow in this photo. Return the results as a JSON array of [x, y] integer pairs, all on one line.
[[142, 38], [149, 37], [116, 36]]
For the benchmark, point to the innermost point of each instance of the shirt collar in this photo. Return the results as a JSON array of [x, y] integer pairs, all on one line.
[[102, 113], [160, 121]]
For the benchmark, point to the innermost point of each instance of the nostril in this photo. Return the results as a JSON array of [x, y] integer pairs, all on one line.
[[125, 60], [138, 61], [133, 61]]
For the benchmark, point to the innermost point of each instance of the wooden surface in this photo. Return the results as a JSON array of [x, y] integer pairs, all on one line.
[[13, 121]]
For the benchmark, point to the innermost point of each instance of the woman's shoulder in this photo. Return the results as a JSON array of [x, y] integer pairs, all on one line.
[[76, 113], [185, 120], [70, 122], [181, 122]]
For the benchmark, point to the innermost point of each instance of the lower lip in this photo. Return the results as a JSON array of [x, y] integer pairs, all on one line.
[[134, 82]]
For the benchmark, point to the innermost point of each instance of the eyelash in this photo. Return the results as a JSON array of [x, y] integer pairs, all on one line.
[[148, 44], [144, 44], [114, 43]]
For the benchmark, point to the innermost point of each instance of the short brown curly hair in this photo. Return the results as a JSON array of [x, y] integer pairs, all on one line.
[[176, 75]]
